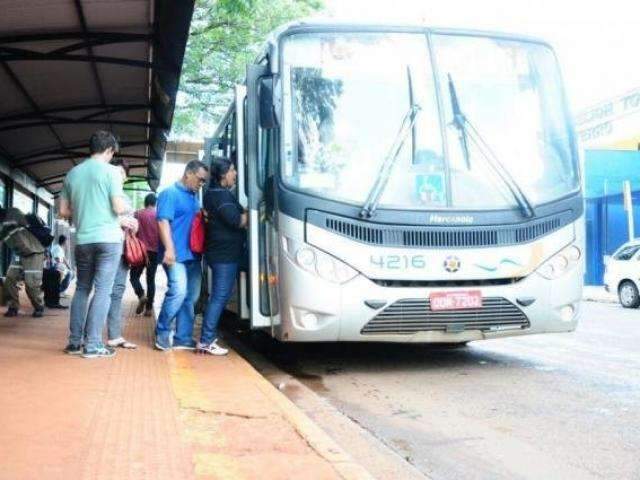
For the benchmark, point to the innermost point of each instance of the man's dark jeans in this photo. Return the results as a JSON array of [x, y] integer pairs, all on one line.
[[136, 273]]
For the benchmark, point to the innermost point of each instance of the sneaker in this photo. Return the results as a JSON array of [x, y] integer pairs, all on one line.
[[142, 301], [212, 349], [188, 346], [73, 349], [11, 312], [96, 352], [38, 312]]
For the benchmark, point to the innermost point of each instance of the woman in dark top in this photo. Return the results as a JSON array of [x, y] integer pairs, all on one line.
[[226, 221]]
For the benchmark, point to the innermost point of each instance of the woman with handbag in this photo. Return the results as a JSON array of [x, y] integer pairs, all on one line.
[[129, 226], [226, 223]]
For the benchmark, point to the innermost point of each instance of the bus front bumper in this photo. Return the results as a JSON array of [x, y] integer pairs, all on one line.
[[314, 310]]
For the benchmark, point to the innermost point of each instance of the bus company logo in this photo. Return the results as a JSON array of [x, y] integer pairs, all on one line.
[[452, 264]]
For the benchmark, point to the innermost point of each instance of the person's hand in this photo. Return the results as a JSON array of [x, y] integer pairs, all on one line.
[[129, 223], [169, 257]]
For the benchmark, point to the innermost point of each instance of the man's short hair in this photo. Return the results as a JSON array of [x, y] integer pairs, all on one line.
[[150, 200], [61, 239], [194, 165], [101, 141]]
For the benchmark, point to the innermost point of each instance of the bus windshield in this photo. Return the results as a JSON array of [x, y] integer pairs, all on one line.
[[345, 96]]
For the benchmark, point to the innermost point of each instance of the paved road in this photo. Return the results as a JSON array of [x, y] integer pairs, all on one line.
[[560, 406]]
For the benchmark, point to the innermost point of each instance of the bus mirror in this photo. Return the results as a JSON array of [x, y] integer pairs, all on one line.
[[268, 118]]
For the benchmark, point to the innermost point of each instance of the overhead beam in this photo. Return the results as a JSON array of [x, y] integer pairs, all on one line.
[[32, 56], [101, 110], [74, 155], [111, 37], [77, 146], [63, 174], [59, 179], [69, 121]]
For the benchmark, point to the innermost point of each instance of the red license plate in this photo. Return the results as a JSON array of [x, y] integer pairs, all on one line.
[[455, 300]]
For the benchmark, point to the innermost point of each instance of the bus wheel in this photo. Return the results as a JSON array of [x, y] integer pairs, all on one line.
[[628, 295]]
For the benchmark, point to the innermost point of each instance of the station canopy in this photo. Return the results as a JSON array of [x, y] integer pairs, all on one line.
[[71, 67]]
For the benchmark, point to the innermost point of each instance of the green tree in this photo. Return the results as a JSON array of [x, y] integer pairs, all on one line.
[[225, 36]]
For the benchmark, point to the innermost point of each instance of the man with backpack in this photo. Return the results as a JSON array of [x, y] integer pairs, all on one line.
[[25, 237]]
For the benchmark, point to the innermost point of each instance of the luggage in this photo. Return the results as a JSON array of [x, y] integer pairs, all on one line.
[[51, 286], [196, 236], [39, 229], [135, 253]]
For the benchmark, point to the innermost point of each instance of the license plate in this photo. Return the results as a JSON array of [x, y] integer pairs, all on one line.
[[455, 300]]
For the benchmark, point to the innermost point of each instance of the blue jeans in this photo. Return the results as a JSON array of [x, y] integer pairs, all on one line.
[[183, 289], [114, 317], [97, 265], [223, 276]]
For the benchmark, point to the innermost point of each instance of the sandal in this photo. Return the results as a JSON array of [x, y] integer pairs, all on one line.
[[121, 343]]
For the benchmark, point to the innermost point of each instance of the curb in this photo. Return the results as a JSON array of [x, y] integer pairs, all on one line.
[[317, 439]]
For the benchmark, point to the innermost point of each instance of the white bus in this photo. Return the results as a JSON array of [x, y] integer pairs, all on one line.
[[406, 184]]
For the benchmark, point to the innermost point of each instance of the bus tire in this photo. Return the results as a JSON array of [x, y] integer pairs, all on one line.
[[628, 294]]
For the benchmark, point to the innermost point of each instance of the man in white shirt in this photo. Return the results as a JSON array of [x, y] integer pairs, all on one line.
[[60, 263]]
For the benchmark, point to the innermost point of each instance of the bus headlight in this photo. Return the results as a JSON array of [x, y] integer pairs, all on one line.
[[561, 262], [317, 262], [306, 258]]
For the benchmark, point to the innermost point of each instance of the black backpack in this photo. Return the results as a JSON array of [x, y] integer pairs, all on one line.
[[39, 229]]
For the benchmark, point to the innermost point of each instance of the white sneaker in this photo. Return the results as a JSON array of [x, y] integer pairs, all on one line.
[[212, 349]]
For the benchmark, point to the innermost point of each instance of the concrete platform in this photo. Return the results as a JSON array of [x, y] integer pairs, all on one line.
[[146, 414]]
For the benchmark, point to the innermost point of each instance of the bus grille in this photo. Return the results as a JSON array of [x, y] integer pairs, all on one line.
[[411, 236], [409, 316]]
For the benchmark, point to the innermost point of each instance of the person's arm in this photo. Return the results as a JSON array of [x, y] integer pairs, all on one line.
[[164, 230], [230, 212], [64, 207], [165, 213], [116, 194], [118, 205]]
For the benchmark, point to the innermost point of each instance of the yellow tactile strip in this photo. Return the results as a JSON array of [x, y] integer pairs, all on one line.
[[235, 430]]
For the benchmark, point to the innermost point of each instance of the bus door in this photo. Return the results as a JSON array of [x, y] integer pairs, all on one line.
[[243, 286], [262, 238]]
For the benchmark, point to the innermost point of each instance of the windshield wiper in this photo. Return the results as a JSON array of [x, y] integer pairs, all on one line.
[[459, 121], [467, 132], [379, 185]]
